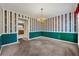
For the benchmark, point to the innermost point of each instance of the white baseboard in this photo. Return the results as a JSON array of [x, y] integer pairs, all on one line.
[[9, 44], [35, 38]]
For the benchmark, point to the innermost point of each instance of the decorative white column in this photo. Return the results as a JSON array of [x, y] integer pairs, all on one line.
[[54, 23], [57, 23], [60, 24], [72, 18], [68, 22]]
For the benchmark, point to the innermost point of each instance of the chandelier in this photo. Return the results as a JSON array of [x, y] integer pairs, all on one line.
[[41, 18]]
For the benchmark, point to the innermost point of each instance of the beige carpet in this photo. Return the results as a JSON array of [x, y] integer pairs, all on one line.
[[41, 47]]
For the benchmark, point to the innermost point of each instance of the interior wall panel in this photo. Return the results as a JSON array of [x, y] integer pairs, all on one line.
[[62, 23]]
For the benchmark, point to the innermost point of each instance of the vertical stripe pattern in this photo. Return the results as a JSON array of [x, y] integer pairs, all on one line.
[[62, 23]]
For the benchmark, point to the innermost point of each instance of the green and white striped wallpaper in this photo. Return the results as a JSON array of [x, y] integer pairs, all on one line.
[[62, 23], [58, 27], [35, 26]]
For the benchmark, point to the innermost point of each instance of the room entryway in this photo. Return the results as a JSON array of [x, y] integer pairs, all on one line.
[[22, 28]]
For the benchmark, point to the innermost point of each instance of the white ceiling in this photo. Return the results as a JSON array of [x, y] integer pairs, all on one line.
[[33, 9]]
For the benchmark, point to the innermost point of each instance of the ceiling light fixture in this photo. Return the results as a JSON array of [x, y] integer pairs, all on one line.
[[41, 18]]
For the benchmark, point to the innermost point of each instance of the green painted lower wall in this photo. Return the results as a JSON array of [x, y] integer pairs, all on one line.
[[71, 37], [0, 41], [34, 34], [51, 34], [8, 38]]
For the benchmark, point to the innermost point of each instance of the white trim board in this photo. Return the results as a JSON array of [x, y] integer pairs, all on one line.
[[61, 32], [35, 38], [9, 44]]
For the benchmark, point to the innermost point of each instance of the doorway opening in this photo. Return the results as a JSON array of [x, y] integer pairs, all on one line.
[[23, 29]]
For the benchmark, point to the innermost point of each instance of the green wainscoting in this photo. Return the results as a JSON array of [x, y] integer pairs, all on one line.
[[51, 34], [0, 41], [34, 34], [8, 38], [71, 37]]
